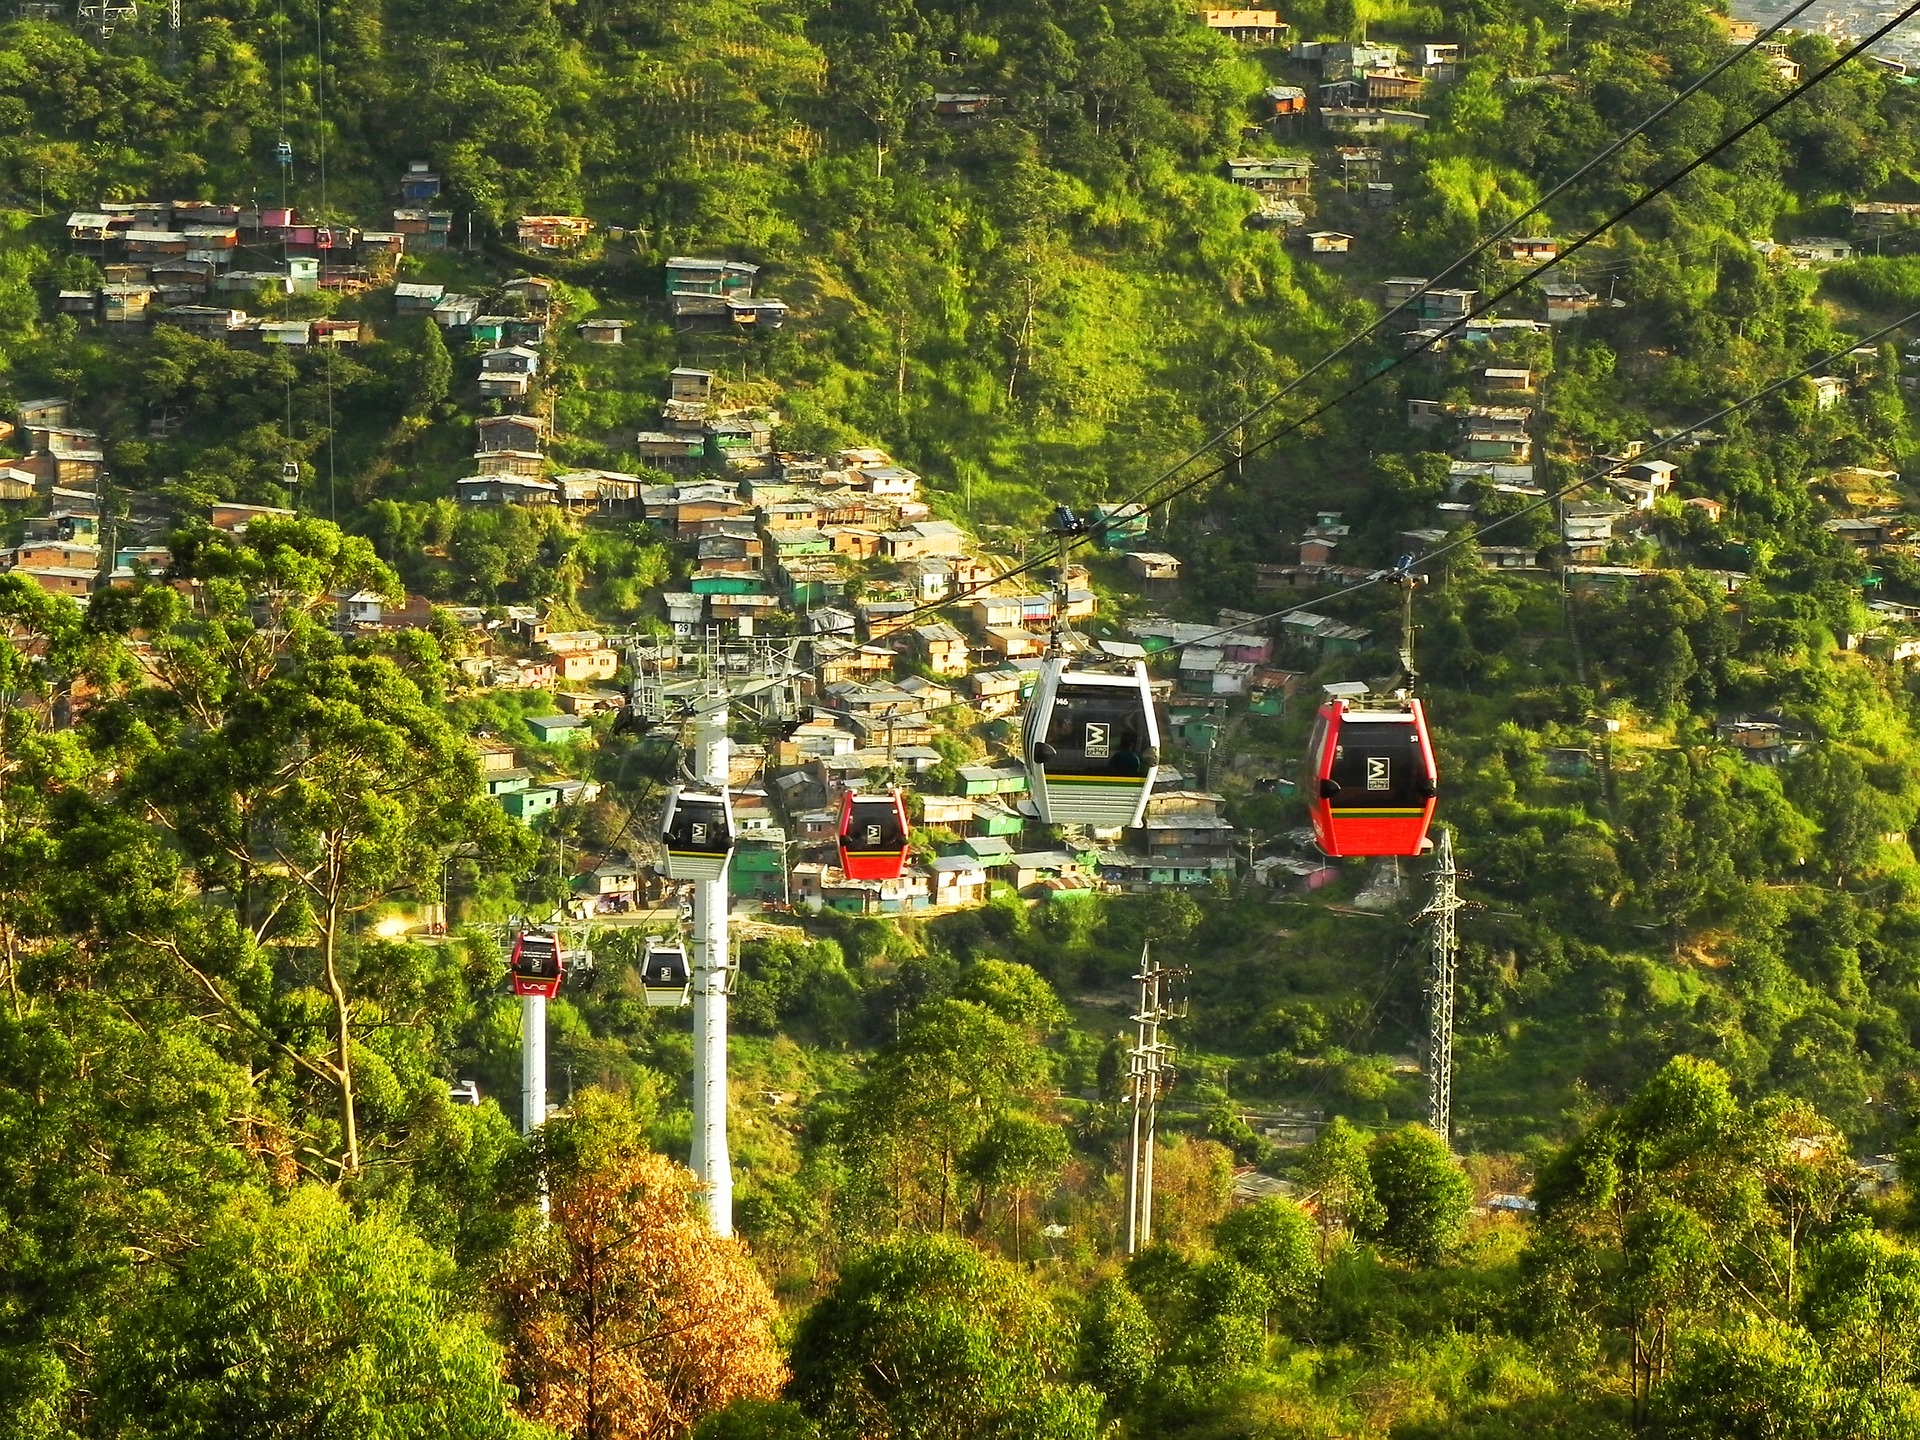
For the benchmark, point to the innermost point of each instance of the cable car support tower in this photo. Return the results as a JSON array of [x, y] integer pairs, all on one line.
[[1443, 946], [698, 686]]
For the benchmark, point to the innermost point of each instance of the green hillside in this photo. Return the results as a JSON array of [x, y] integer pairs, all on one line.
[[315, 659]]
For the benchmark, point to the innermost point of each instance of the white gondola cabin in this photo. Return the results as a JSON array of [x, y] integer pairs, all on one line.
[[873, 835], [1093, 745], [697, 831], [539, 963], [665, 975]]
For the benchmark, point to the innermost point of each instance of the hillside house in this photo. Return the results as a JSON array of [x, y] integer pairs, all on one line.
[[959, 880], [1285, 102], [987, 611], [1506, 380], [686, 384], [1157, 571], [996, 693], [1248, 27], [1531, 250], [928, 537], [673, 452], [510, 433], [694, 275], [411, 298], [1438, 59], [942, 648], [1828, 391], [552, 234], [1644, 481], [508, 373], [1329, 245], [1011, 643], [419, 184], [961, 107], [505, 490], [1587, 528], [1567, 300], [1289, 175], [1354, 120]]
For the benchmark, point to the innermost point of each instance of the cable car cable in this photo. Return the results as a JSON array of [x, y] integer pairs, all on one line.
[[900, 622], [1138, 495], [1394, 362], [1501, 233], [1383, 576]]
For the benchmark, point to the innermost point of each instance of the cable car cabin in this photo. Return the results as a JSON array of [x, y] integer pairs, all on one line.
[[665, 975], [873, 836], [539, 963], [1371, 779], [1093, 745], [698, 833]]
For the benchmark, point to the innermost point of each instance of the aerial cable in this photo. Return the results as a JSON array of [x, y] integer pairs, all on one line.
[[1052, 554], [1394, 362], [1664, 442], [1453, 267]]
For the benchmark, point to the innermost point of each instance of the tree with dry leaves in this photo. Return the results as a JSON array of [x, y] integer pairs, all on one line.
[[630, 1318]]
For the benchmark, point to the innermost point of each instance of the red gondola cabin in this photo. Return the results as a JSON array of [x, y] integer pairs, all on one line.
[[1370, 778], [873, 836], [538, 963]]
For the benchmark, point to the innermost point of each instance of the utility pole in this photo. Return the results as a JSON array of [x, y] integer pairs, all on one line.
[[711, 973], [1149, 1075], [1443, 943]]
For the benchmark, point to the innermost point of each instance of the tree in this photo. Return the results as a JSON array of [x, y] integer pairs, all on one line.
[[1018, 1154], [629, 1318], [930, 1097], [1274, 1239], [927, 1339], [435, 376], [1118, 1348], [299, 1319], [1424, 1196], [1760, 1382], [1336, 1171]]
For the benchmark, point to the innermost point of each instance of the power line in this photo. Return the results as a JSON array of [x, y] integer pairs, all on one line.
[[1595, 477], [1459, 263], [1138, 496], [1394, 362]]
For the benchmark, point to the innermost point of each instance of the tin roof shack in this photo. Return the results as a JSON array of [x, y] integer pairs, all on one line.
[[1287, 175], [552, 234], [693, 275], [509, 433], [1248, 27], [1567, 300], [960, 108], [419, 184], [1644, 481], [1586, 528], [508, 373], [1285, 102]]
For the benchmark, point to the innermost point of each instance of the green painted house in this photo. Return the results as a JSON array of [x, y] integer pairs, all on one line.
[[527, 804], [558, 729]]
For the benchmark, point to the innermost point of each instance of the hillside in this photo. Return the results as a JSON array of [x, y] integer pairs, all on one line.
[[403, 397]]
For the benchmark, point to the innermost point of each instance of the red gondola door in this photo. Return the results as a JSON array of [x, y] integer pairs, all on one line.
[[873, 836], [1370, 779]]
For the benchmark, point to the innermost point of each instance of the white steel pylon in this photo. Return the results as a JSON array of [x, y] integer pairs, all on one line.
[[1443, 944], [703, 679]]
